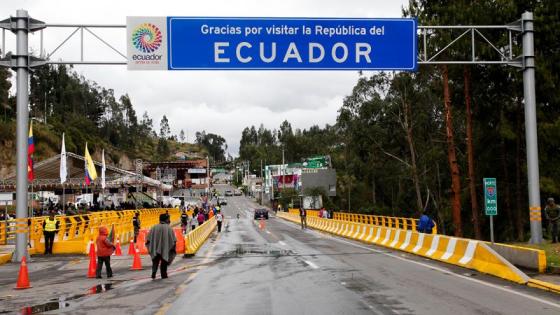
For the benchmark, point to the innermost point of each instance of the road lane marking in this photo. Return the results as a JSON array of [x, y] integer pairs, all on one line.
[[433, 267], [282, 243], [312, 265], [181, 288], [267, 232]]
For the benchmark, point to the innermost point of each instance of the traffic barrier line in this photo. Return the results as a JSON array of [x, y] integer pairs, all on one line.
[[543, 285], [196, 238], [5, 257], [466, 253]]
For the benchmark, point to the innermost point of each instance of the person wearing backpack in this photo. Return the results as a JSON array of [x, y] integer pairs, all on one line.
[[425, 224]]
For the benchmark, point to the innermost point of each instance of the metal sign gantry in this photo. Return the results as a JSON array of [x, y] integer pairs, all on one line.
[[22, 62]]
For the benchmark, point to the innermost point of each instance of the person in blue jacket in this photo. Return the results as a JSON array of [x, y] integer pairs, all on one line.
[[425, 224]]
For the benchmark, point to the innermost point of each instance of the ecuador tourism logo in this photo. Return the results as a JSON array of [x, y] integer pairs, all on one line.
[[146, 42], [146, 38]]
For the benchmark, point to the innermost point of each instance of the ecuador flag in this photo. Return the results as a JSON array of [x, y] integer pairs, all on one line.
[[91, 174]]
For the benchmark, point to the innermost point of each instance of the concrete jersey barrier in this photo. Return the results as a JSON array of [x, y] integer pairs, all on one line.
[[462, 252]]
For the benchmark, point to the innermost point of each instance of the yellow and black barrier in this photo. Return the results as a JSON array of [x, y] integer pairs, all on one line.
[[386, 221], [76, 231], [195, 238], [462, 252]]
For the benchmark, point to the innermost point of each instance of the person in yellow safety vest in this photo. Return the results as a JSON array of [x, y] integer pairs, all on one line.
[[50, 226]]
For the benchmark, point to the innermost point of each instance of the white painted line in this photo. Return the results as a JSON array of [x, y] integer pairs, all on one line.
[[282, 243], [387, 235], [312, 265], [368, 239], [436, 268], [448, 272], [433, 248], [419, 243], [406, 240], [377, 235], [469, 253], [397, 235], [267, 232], [450, 248]]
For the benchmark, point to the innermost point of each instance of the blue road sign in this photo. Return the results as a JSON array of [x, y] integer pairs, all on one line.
[[288, 44]]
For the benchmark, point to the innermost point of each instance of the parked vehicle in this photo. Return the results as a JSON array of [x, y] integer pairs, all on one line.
[[228, 193], [261, 213]]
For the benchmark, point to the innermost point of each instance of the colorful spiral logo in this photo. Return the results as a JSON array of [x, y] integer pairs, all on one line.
[[146, 38]]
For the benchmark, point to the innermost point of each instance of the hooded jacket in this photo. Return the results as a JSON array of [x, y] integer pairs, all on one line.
[[104, 246]]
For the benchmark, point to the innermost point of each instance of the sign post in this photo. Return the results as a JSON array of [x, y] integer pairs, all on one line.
[[491, 202]]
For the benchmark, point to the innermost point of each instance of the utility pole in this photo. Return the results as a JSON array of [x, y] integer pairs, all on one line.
[[21, 25], [531, 127]]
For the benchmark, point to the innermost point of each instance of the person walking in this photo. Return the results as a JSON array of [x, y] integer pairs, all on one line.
[[50, 226], [200, 218], [303, 217], [104, 251], [425, 224], [184, 221], [136, 225], [161, 246], [552, 215], [219, 220], [192, 222]]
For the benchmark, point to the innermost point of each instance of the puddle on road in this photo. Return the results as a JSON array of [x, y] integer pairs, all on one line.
[[61, 302], [255, 250]]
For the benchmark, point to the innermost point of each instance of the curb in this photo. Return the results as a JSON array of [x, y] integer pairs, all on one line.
[[543, 285]]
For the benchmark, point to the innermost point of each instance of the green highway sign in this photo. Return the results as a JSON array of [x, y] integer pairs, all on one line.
[[490, 196]]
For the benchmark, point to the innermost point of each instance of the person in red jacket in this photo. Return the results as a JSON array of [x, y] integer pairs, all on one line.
[[104, 251]]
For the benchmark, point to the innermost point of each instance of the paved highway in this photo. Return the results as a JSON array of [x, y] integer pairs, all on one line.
[[276, 269], [283, 270]]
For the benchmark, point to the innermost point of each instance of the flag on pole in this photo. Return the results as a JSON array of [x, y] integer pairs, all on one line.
[[30, 151], [90, 172], [103, 169], [63, 168]]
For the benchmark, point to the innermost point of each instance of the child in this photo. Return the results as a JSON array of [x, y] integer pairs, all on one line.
[[104, 251]]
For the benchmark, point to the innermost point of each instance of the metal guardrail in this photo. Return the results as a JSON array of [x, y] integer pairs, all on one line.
[[379, 220], [83, 227]]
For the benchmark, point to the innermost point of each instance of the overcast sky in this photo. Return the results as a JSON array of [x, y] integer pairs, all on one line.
[[222, 102]]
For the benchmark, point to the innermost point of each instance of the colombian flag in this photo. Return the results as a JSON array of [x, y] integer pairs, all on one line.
[[30, 151], [91, 174]]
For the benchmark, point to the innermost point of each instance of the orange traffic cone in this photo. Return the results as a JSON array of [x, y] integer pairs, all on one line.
[[131, 248], [23, 277], [137, 262], [92, 262], [118, 251]]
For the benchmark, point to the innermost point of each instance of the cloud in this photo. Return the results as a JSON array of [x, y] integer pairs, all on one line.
[[222, 102]]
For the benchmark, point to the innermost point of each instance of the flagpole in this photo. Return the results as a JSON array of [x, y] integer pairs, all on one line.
[[63, 199], [31, 198]]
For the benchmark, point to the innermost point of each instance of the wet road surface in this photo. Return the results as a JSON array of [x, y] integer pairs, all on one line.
[[276, 268], [283, 270]]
